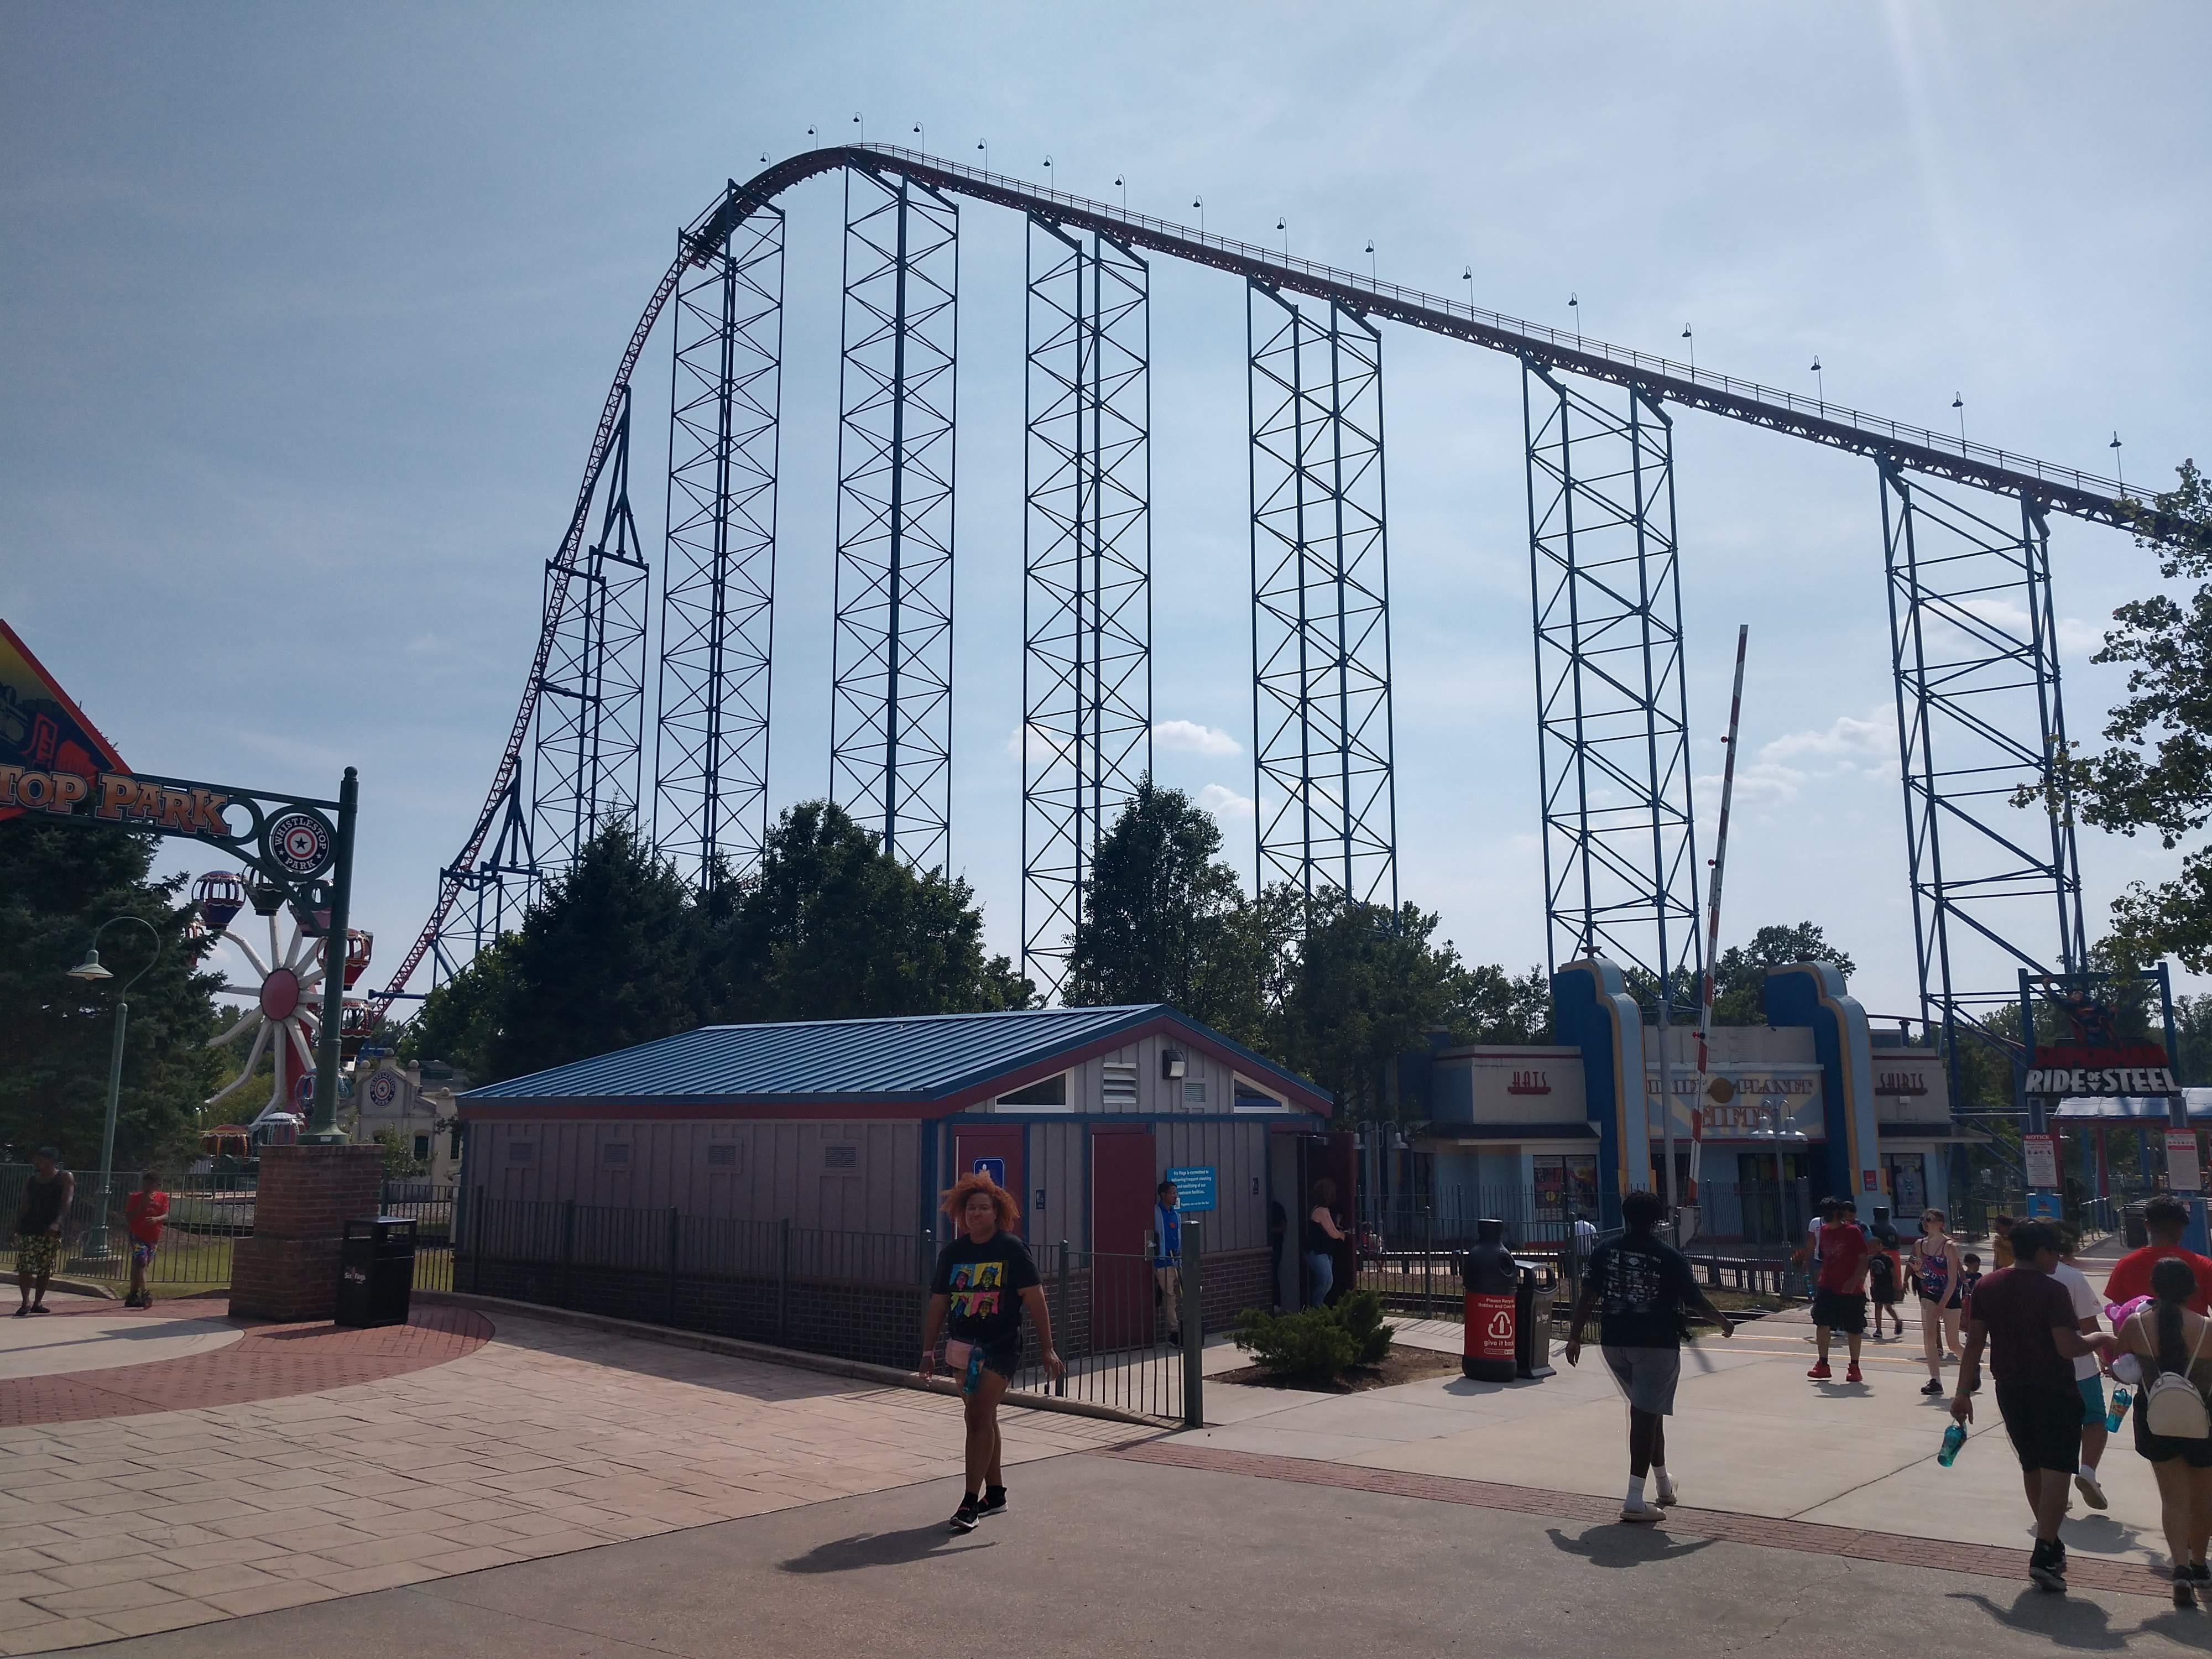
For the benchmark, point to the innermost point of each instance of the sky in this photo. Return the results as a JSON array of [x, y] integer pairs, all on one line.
[[307, 314]]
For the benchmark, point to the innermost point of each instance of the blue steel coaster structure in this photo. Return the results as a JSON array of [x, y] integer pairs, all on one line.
[[1325, 799], [1087, 738], [1974, 660], [890, 714], [718, 598]]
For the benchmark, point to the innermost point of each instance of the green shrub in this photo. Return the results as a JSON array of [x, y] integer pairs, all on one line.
[[1362, 1313], [1316, 1344]]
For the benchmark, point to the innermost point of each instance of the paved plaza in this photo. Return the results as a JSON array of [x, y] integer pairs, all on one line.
[[493, 1482]]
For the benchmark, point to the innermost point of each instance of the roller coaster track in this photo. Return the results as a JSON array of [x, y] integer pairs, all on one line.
[[2063, 489]]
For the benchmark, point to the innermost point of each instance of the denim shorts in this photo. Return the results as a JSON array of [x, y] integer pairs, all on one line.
[[2092, 1401]]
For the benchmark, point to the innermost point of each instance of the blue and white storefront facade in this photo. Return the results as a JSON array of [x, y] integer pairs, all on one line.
[[1812, 1097]]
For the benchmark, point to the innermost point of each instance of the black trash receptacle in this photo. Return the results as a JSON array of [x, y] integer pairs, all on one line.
[[1532, 1324], [376, 1271], [2134, 1229], [1491, 1290]]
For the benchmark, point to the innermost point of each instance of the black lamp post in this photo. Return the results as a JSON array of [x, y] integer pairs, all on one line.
[[90, 971]]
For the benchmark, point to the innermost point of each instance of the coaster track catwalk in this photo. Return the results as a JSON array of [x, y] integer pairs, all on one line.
[[1977, 686]]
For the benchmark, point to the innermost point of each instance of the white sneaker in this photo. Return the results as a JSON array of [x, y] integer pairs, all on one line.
[[1667, 1498], [1641, 1512], [2085, 1482]]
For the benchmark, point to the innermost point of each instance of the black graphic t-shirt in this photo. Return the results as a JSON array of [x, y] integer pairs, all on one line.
[[984, 1282], [1642, 1284]]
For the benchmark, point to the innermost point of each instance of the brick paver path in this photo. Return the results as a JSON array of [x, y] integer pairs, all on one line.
[[268, 1361], [546, 1439], [1769, 1532]]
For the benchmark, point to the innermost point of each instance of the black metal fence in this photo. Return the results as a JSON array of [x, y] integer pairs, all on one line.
[[208, 1214], [851, 1295]]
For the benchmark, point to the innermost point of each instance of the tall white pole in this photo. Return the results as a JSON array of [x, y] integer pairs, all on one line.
[[1713, 889]]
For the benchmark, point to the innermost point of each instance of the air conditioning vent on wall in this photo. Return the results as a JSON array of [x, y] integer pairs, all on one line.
[[843, 1155], [723, 1156], [1119, 1085], [615, 1154], [521, 1151]]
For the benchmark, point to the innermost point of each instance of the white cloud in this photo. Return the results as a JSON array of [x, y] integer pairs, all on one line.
[[1040, 745], [1846, 739], [1224, 802], [1190, 738]]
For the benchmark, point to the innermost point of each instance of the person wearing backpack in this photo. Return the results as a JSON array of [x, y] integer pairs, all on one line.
[[2173, 1429], [2025, 1319]]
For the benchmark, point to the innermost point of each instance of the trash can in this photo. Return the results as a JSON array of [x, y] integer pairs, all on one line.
[[2133, 1227], [1492, 1296], [1532, 1324], [376, 1271]]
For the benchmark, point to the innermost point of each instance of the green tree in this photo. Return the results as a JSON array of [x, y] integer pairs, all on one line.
[[57, 884], [1164, 918], [1740, 975], [400, 1163], [460, 1021], [1491, 1005], [1361, 989], [610, 955], [2155, 775], [834, 928]]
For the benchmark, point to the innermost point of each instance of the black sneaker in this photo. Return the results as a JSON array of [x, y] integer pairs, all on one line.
[[965, 1517], [2200, 1575], [2046, 1566], [1931, 1386], [994, 1501]]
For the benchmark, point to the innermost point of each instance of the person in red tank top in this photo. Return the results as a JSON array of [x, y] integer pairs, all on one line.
[[145, 1213], [1840, 1301]]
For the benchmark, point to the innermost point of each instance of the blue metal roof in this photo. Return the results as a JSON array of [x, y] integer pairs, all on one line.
[[917, 1060]]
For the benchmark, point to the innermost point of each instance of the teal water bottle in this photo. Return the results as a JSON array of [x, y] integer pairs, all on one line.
[[1953, 1437], [2118, 1414]]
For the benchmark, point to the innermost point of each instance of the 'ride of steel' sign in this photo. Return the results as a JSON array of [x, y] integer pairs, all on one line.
[[2062, 1069], [292, 840]]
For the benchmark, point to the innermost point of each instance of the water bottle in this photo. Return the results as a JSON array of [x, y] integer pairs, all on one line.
[[1953, 1437], [2118, 1414]]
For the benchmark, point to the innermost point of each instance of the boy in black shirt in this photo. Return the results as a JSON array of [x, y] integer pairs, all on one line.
[[1644, 1284], [984, 1279]]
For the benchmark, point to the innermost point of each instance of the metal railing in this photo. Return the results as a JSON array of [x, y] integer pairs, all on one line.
[[1643, 365], [852, 1295], [208, 1214]]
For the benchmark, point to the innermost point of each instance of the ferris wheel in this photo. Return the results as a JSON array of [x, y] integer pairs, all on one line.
[[282, 1014]]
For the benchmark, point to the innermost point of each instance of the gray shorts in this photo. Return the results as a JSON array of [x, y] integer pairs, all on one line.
[[1648, 1376]]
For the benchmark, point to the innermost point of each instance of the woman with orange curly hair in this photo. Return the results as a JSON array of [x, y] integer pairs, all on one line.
[[984, 1279]]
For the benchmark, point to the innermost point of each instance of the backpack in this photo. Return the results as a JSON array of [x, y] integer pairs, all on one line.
[[2172, 1407], [1881, 1275]]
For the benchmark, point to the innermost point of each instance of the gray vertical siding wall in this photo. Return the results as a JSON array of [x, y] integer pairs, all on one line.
[[780, 1168], [777, 1169]]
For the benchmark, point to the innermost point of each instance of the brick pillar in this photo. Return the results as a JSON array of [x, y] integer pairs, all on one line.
[[289, 1269]]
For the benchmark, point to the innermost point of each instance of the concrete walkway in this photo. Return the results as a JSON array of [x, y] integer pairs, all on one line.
[[1102, 1557], [546, 1440], [61, 1344], [1750, 1434]]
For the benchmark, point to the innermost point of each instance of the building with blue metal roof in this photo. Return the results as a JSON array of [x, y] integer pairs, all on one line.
[[856, 1127]]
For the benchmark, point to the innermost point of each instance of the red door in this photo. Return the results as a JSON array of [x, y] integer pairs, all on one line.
[[1121, 1190], [995, 1149]]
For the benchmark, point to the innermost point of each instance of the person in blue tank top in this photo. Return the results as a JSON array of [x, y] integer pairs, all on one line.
[[1936, 1272], [1167, 1259]]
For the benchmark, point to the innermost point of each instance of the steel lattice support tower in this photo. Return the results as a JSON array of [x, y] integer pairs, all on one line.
[[718, 591], [1326, 801], [1086, 596], [1620, 870], [494, 891], [891, 714], [591, 706], [1973, 643]]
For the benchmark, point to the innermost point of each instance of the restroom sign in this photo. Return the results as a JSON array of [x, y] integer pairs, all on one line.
[[993, 1168]]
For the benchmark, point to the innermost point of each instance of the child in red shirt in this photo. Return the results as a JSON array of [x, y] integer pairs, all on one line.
[[144, 1212]]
